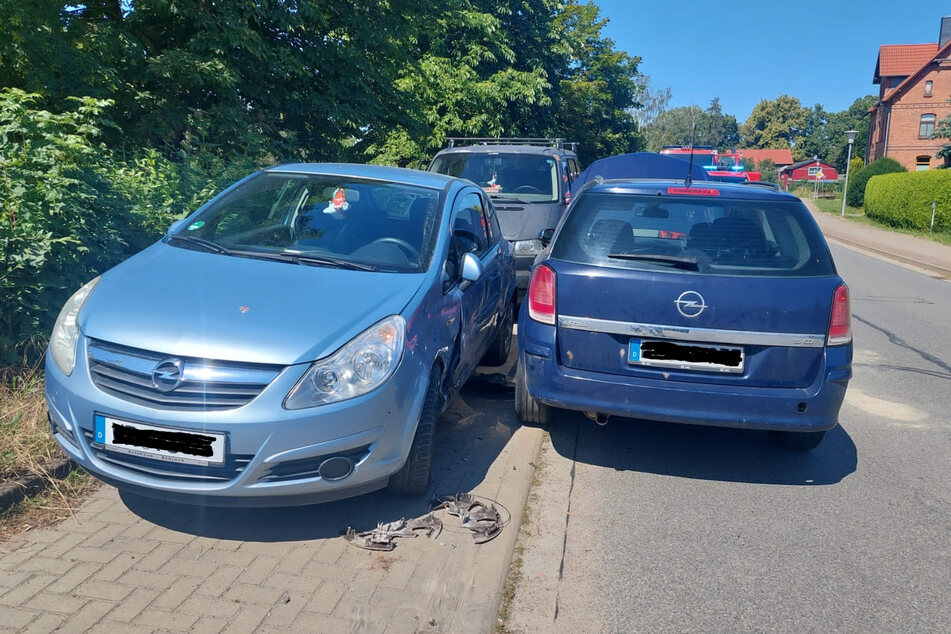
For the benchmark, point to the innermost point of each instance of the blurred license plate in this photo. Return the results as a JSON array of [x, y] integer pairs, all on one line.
[[686, 356], [159, 443]]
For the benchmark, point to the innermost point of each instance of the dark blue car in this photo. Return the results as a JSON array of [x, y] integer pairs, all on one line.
[[711, 304]]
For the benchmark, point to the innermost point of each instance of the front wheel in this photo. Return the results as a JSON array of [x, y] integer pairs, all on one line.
[[527, 408], [414, 477], [797, 440]]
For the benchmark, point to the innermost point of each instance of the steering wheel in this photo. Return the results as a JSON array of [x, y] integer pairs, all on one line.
[[403, 244], [526, 189]]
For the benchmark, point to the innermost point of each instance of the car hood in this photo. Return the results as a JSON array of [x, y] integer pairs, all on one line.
[[526, 221], [211, 306]]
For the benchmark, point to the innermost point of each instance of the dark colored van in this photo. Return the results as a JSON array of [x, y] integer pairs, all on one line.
[[529, 182]]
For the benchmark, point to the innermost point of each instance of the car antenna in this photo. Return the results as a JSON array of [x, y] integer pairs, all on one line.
[[693, 140]]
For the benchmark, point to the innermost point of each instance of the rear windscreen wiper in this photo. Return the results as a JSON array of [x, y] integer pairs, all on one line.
[[680, 262], [207, 245], [508, 199]]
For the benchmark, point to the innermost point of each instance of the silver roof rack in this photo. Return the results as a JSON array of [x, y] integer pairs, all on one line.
[[555, 142]]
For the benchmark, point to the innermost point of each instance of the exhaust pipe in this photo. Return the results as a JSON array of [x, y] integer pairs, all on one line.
[[598, 417]]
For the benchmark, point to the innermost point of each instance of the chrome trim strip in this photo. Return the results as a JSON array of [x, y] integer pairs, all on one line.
[[705, 335]]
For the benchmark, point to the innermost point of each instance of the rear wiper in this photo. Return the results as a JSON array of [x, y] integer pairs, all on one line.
[[207, 245], [679, 262]]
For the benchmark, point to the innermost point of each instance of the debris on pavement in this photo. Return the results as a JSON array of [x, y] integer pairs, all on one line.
[[384, 535], [479, 515]]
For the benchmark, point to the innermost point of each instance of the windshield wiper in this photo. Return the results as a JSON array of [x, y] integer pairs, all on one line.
[[677, 261], [508, 199], [207, 245], [324, 260]]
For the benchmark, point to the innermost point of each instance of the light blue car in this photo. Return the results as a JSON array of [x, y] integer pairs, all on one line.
[[290, 342]]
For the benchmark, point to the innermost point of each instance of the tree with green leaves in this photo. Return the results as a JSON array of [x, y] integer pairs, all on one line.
[[690, 125], [776, 124]]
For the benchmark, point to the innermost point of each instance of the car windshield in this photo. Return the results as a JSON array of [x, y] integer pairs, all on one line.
[[530, 178], [320, 219], [693, 234]]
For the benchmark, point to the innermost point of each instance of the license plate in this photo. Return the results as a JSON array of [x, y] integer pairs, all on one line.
[[686, 356], [159, 443]]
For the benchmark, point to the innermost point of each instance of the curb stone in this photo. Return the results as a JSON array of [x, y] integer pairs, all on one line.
[[15, 491]]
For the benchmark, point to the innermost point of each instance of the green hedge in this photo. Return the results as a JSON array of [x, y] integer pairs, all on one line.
[[904, 200], [859, 180]]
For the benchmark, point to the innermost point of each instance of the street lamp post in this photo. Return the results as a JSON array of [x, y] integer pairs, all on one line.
[[848, 165], [815, 178]]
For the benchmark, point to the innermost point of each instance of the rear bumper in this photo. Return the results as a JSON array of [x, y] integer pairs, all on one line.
[[811, 408]]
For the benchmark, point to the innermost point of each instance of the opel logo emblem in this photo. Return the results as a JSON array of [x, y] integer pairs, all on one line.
[[167, 375], [690, 304]]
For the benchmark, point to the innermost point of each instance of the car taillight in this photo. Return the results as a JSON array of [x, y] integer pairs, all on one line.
[[840, 324], [541, 295]]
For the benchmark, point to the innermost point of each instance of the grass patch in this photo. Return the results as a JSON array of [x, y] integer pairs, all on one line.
[[52, 506], [857, 214], [26, 444], [508, 591]]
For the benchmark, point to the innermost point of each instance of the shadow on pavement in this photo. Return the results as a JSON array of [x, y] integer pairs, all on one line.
[[707, 453], [472, 432]]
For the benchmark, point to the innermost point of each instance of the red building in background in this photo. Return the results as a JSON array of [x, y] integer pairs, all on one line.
[[809, 171]]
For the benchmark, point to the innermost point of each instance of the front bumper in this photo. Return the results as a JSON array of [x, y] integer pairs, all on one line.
[[811, 408], [271, 452]]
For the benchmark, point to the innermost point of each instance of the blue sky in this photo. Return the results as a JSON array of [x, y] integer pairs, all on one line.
[[742, 52]]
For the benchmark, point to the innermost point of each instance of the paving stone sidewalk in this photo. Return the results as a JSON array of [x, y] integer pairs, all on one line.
[[127, 564]]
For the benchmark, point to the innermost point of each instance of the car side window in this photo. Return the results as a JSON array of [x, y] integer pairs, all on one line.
[[495, 231], [469, 225]]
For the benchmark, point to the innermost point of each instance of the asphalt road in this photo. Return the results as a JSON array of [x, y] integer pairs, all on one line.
[[679, 528]]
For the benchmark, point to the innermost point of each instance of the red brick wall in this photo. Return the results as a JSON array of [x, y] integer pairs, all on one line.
[[903, 143]]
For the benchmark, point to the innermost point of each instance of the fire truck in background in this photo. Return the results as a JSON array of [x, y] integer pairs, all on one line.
[[720, 166]]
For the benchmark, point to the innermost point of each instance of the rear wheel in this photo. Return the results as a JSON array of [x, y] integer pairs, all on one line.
[[414, 477], [797, 440], [527, 408], [498, 352]]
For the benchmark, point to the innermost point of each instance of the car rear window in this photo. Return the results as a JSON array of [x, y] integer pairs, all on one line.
[[705, 235]]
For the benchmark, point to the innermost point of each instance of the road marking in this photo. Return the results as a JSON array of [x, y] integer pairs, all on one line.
[[881, 407]]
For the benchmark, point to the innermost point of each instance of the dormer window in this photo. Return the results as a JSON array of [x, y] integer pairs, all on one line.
[[928, 85]]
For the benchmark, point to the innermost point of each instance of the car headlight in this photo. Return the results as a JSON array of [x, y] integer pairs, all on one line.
[[362, 365], [66, 331], [528, 247]]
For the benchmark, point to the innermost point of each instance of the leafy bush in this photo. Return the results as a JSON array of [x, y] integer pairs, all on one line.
[[767, 170], [856, 164], [69, 209], [858, 181], [904, 200]]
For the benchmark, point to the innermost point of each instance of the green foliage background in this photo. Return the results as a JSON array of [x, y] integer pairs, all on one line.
[[855, 196], [904, 199], [117, 117]]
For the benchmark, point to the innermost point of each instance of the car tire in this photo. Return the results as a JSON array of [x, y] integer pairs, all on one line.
[[415, 475], [527, 408], [797, 440], [498, 352]]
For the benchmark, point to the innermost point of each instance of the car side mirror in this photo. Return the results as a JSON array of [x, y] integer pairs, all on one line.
[[545, 235], [175, 226], [471, 270]]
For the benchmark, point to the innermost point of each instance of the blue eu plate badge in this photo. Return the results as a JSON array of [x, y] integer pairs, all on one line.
[[100, 429], [634, 351]]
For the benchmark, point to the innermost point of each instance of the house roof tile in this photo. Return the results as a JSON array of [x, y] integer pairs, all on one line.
[[779, 157], [901, 60]]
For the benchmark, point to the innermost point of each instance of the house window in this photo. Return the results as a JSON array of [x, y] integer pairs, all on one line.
[[928, 85], [927, 126], [813, 171], [922, 163]]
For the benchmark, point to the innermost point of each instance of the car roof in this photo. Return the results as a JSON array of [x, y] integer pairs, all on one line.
[[376, 172], [655, 187], [482, 148]]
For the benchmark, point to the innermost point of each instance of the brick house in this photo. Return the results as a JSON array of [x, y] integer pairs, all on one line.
[[914, 92]]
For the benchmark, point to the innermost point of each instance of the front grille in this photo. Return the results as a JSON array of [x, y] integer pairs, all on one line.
[[127, 373], [233, 466]]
